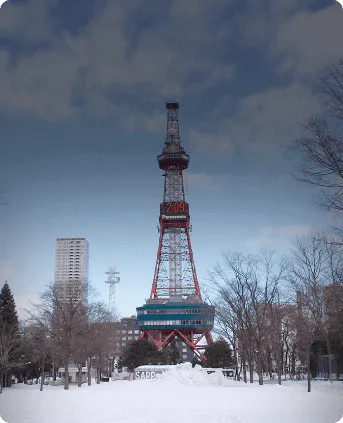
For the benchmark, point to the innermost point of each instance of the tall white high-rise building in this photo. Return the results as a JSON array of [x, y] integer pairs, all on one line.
[[71, 263]]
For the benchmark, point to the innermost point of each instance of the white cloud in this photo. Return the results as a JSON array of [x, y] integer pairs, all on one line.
[[297, 39], [26, 22], [258, 24], [263, 122], [101, 62], [211, 143], [280, 238], [270, 119], [203, 181], [307, 41]]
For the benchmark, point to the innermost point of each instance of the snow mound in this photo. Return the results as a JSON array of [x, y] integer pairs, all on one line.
[[186, 375]]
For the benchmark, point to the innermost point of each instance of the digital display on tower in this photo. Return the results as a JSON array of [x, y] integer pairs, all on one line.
[[174, 210]]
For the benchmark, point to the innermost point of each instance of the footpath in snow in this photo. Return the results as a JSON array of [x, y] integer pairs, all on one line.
[[180, 395]]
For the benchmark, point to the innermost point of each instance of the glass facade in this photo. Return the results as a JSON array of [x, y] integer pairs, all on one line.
[[175, 316]]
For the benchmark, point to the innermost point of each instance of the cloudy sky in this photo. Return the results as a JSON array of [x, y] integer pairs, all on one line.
[[83, 86]]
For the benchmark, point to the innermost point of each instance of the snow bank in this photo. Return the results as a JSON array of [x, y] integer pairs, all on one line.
[[186, 375]]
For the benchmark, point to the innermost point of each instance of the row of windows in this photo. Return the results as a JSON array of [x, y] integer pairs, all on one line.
[[65, 258], [65, 267], [171, 311], [175, 322], [76, 269], [129, 331], [68, 246], [67, 251], [124, 344], [129, 338], [69, 241]]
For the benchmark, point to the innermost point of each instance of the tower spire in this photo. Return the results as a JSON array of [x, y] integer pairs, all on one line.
[[173, 130]]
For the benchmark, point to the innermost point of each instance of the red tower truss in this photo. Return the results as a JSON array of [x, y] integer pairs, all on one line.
[[175, 307]]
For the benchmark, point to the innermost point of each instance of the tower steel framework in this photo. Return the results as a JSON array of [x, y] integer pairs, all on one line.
[[175, 307], [112, 280]]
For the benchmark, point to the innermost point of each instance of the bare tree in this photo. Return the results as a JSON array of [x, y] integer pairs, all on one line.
[[95, 339], [321, 145], [103, 347], [333, 302], [247, 286], [309, 273], [233, 308], [9, 343], [288, 333], [39, 336], [322, 164], [227, 326], [66, 307], [274, 335], [330, 88]]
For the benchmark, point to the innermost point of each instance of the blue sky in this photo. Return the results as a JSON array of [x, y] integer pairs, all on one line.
[[82, 119]]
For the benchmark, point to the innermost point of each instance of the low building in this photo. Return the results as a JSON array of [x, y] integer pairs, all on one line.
[[74, 372]]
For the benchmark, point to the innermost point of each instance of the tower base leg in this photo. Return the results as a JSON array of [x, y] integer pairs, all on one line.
[[162, 338]]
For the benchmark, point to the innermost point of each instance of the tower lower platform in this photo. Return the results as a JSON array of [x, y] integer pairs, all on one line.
[[163, 320]]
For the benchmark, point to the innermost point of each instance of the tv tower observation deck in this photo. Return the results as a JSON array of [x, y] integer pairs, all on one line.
[[175, 307]]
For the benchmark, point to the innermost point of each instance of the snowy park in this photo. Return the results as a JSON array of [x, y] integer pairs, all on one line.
[[181, 395]]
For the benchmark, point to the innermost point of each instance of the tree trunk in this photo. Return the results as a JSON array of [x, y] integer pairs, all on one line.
[[42, 374], [66, 375], [251, 370], [329, 352], [1, 378], [53, 371], [269, 361], [293, 361], [89, 364], [285, 361], [260, 371], [79, 379], [97, 374], [279, 366], [309, 373], [245, 372], [235, 353], [279, 373]]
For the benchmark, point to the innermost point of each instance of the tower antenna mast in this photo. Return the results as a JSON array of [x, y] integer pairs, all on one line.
[[112, 280]]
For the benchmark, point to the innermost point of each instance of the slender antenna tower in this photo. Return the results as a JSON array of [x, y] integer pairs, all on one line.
[[112, 280]]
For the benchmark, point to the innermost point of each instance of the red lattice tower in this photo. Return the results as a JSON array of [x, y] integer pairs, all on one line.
[[175, 307]]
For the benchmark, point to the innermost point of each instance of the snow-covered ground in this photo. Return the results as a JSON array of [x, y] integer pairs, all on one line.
[[182, 395]]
